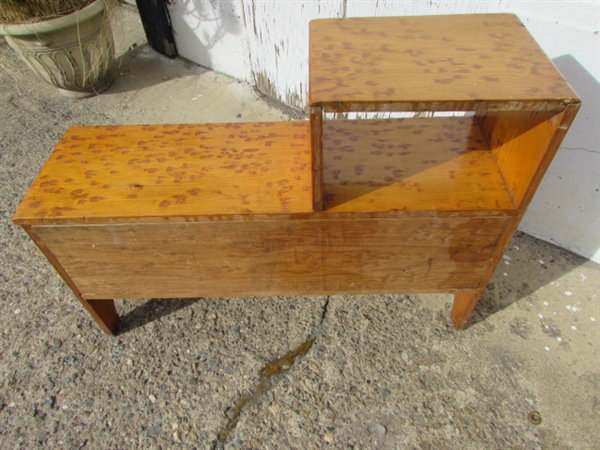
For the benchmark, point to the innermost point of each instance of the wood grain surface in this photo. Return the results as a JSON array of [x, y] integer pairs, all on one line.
[[316, 129], [98, 173], [519, 141], [440, 163], [274, 257], [455, 62]]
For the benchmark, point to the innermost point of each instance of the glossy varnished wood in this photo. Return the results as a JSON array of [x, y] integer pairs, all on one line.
[[519, 140], [436, 164], [537, 136], [456, 62], [318, 207], [97, 173], [316, 129]]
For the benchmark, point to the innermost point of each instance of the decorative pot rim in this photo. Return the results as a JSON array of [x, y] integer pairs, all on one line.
[[46, 26]]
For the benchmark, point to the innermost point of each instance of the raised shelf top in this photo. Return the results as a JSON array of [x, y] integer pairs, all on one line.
[[454, 62], [137, 172]]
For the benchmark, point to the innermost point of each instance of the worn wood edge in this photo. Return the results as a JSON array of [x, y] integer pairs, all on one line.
[[432, 106], [316, 131], [109, 323], [316, 215]]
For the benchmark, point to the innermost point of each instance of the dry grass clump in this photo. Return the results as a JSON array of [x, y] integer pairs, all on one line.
[[26, 11]]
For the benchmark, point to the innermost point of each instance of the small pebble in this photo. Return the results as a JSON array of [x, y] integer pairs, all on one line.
[[547, 349], [379, 430], [191, 437]]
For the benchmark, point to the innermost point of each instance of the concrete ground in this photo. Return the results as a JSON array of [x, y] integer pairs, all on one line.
[[381, 371]]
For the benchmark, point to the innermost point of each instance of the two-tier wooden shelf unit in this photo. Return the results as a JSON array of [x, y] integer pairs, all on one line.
[[463, 116]]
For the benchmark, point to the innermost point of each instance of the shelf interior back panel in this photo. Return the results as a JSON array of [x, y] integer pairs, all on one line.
[[415, 164]]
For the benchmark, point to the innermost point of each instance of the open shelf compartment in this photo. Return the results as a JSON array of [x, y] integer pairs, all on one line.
[[433, 163]]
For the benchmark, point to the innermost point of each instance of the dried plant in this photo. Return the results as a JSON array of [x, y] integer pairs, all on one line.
[[26, 11]]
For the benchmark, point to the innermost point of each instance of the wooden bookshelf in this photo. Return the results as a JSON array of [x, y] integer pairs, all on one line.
[[411, 205]]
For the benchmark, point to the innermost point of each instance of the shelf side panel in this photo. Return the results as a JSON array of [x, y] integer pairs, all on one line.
[[519, 141]]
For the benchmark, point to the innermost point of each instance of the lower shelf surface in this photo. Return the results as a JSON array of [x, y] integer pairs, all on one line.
[[418, 164]]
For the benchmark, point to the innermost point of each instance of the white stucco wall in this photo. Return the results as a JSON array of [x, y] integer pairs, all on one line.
[[265, 42]]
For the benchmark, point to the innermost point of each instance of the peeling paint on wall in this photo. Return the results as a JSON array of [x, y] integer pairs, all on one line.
[[279, 39], [279, 35]]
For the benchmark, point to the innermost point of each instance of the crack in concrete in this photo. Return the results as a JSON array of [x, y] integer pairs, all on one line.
[[271, 369], [325, 311]]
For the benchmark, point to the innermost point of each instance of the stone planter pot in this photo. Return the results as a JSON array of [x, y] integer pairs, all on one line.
[[73, 52]]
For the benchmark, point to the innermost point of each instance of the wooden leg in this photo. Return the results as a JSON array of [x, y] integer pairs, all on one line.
[[104, 313], [464, 304]]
